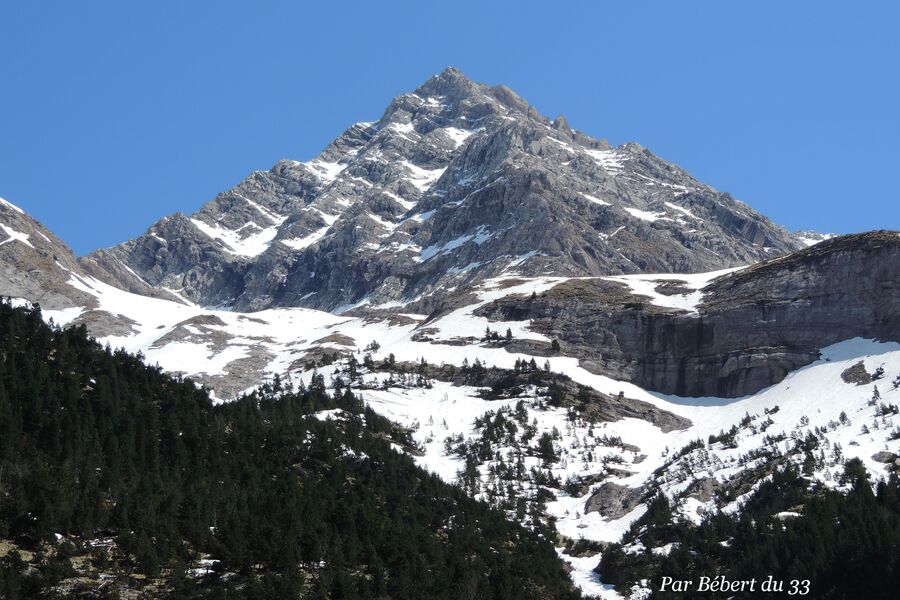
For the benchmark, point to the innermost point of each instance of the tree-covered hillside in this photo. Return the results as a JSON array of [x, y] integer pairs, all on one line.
[[834, 545], [115, 477]]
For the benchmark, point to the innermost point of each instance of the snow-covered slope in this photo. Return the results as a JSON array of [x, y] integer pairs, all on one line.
[[231, 351], [842, 418], [501, 284]]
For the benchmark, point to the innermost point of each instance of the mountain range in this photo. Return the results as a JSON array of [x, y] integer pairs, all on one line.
[[463, 255]]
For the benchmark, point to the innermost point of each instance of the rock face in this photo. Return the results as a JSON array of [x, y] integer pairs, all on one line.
[[884, 457], [752, 327], [613, 501], [455, 183], [857, 374], [38, 266], [34, 263], [702, 489]]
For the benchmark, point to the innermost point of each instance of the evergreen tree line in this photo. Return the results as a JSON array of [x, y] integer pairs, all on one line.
[[95, 444], [846, 545]]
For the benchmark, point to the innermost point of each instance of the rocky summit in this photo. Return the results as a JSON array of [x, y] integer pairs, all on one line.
[[457, 182]]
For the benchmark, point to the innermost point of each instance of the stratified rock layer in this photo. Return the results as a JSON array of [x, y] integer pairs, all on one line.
[[752, 328]]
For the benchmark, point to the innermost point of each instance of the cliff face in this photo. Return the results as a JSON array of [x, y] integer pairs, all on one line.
[[751, 328]]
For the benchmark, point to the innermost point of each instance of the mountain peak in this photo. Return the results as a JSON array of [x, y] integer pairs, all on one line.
[[453, 86], [452, 72], [457, 182], [449, 82], [454, 76]]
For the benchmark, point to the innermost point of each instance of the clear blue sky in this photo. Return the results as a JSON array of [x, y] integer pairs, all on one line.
[[113, 114]]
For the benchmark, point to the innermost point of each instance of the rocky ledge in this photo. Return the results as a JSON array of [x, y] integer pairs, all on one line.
[[751, 328]]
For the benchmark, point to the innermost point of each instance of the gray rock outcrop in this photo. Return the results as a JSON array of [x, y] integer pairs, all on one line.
[[34, 264], [752, 328], [613, 501], [856, 374]]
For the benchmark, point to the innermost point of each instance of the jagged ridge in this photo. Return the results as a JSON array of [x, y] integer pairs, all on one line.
[[455, 183]]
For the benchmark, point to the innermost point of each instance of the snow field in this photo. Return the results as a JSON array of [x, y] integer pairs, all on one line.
[[809, 398]]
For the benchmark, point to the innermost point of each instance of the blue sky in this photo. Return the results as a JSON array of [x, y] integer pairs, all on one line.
[[114, 114]]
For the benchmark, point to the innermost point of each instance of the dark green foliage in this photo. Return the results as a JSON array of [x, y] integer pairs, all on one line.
[[847, 545], [688, 448], [546, 451], [726, 438], [93, 443]]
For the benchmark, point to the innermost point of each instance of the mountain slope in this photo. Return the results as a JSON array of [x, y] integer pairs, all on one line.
[[457, 182], [34, 263], [120, 480], [727, 333], [592, 447], [565, 329]]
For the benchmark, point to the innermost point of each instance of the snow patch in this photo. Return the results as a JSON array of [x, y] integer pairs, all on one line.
[[608, 159], [683, 210], [480, 236], [251, 245], [324, 170], [14, 236], [193, 358], [594, 199], [457, 136], [402, 128], [422, 178], [63, 316], [643, 214], [9, 204], [645, 285], [307, 241], [812, 240], [385, 224], [522, 258]]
